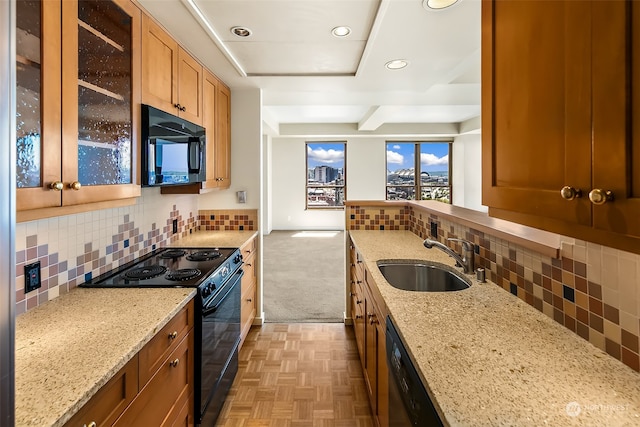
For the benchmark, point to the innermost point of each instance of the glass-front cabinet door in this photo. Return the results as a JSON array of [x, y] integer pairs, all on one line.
[[101, 99], [77, 113], [38, 94]]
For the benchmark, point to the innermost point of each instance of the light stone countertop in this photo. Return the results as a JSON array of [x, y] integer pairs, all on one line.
[[69, 347], [490, 359], [219, 239]]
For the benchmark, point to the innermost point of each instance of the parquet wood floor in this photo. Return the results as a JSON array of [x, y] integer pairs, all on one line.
[[298, 375]]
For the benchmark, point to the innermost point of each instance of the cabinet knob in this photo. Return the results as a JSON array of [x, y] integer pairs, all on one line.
[[570, 193], [75, 185], [174, 363], [91, 424], [600, 197], [173, 335], [56, 185]]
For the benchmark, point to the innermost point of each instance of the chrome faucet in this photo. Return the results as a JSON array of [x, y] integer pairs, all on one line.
[[465, 261]]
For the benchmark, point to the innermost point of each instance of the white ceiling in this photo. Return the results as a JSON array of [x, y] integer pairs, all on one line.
[[309, 76]]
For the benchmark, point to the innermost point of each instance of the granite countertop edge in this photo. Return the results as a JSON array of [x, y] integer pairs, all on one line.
[[489, 358]]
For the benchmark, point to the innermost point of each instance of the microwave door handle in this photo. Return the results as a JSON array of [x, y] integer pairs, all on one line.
[[194, 155]]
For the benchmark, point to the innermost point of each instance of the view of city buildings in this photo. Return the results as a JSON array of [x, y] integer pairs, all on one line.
[[325, 175]]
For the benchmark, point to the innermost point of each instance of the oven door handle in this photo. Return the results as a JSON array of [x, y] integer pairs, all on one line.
[[207, 310]]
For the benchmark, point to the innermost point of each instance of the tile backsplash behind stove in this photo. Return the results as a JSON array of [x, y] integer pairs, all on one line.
[[72, 247]]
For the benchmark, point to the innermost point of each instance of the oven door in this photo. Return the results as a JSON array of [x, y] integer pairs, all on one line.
[[219, 344]]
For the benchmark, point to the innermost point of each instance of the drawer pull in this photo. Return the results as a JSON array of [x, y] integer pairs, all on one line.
[[249, 264], [249, 300], [174, 363], [173, 335], [91, 424]]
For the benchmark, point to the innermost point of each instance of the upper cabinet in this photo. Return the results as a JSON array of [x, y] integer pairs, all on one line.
[[216, 107], [77, 113], [172, 79], [558, 121]]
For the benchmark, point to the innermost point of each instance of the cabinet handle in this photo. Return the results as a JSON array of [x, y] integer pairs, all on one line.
[[600, 197], [75, 185], [249, 300], [570, 193], [358, 301], [56, 185], [178, 106], [173, 335], [358, 281], [358, 316], [174, 363], [91, 424], [249, 264]]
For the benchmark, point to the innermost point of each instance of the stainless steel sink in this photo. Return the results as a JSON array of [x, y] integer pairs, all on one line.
[[422, 276]]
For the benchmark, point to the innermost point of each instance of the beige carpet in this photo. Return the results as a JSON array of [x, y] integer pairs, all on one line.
[[303, 276]]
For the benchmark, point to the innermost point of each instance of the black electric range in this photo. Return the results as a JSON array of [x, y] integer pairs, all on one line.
[[216, 273]]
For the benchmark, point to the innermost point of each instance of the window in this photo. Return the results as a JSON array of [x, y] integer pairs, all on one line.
[[325, 175], [430, 161]]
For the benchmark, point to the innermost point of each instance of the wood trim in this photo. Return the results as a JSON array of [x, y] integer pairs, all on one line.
[[35, 214]]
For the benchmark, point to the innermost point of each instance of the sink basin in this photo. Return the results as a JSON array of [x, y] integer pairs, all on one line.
[[422, 277]]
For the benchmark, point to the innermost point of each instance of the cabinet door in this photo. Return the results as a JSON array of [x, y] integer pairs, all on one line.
[[166, 392], [616, 114], [223, 137], [100, 100], [189, 87], [111, 400], [159, 67], [209, 97], [536, 107], [38, 93]]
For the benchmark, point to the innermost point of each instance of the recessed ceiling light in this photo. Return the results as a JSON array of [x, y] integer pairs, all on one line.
[[341, 31], [241, 31], [396, 64], [437, 4]]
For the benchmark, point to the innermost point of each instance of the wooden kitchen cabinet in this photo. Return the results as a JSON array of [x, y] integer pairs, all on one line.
[[156, 387], [111, 400], [172, 79], [78, 96], [223, 137], [248, 307], [560, 113], [369, 316]]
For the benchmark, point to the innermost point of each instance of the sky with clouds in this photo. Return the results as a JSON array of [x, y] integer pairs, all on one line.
[[433, 156], [328, 154]]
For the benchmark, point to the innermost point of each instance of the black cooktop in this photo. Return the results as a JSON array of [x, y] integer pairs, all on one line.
[[169, 267]]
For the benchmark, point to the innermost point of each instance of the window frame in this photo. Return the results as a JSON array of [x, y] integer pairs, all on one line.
[[343, 186], [417, 185]]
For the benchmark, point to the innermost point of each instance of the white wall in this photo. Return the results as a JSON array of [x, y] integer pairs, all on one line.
[[288, 192], [246, 149], [467, 172], [366, 178]]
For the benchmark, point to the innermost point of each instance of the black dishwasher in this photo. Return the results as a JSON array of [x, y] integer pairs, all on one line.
[[408, 397]]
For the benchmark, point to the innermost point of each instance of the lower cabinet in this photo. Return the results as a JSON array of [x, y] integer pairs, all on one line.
[[369, 313], [248, 306], [155, 388]]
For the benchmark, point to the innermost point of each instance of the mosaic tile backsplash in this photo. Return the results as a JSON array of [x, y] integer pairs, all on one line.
[[592, 290], [226, 220], [73, 248]]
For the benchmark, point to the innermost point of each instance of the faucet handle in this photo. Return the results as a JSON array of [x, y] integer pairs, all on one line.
[[467, 245]]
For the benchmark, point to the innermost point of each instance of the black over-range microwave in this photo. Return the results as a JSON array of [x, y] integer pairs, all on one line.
[[173, 149]]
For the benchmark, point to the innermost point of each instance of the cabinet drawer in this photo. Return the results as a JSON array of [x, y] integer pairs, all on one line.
[[153, 354], [165, 392], [248, 307], [111, 400], [249, 248], [249, 278]]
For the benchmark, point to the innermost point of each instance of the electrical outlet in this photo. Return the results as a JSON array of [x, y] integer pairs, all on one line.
[[32, 277], [175, 226], [434, 229]]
